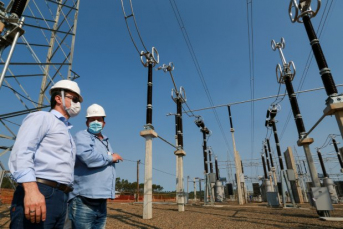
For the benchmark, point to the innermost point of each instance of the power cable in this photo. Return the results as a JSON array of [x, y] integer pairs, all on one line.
[[128, 27], [152, 168], [251, 71], [248, 101], [197, 66], [327, 141]]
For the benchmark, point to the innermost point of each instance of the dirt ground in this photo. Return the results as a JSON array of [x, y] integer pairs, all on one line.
[[227, 215]]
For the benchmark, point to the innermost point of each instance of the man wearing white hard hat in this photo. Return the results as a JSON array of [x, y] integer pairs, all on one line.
[[95, 174], [42, 161]]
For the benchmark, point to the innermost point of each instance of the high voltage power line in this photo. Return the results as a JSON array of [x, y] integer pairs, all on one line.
[[251, 70], [197, 66], [152, 167], [254, 100]]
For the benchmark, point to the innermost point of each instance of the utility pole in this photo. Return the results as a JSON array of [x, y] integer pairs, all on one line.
[[137, 194], [179, 98], [205, 131], [180, 153], [237, 163], [148, 133], [272, 164], [200, 123], [271, 122], [334, 102], [286, 77], [269, 169]]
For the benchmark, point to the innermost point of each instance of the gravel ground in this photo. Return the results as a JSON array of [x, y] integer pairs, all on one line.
[[228, 215]]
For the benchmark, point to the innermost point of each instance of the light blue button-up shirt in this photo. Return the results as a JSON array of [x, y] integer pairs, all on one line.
[[44, 148], [94, 174]]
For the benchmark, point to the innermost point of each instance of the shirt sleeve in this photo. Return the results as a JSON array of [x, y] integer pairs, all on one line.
[[21, 161], [87, 152]]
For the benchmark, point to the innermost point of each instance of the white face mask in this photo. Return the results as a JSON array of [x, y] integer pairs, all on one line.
[[74, 108]]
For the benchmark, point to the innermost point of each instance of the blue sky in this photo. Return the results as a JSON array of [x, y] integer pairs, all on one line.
[[112, 76]]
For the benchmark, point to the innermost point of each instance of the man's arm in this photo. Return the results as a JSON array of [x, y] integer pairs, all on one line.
[[21, 164], [86, 153], [21, 161], [34, 202]]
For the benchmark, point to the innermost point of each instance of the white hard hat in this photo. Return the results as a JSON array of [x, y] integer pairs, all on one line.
[[68, 85], [95, 110]]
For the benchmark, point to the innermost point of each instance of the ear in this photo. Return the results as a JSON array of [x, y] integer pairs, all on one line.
[[58, 99]]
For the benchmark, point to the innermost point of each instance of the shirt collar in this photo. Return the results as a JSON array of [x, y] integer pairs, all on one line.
[[62, 118], [105, 138]]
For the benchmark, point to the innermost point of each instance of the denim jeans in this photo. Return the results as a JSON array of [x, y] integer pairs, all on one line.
[[56, 207], [87, 213]]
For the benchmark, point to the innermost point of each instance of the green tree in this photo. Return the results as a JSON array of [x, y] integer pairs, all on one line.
[[126, 186]]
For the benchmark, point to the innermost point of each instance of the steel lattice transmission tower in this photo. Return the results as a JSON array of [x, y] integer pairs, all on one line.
[[42, 55]]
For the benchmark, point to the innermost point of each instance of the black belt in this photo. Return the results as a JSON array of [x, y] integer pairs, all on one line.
[[63, 187]]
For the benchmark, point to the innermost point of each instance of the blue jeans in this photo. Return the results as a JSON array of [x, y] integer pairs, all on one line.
[[86, 213], [56, 207]]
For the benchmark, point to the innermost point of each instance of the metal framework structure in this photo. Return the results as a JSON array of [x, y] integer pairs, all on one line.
[[43, 55]]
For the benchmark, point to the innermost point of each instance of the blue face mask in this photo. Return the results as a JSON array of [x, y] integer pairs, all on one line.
[[95, 127]]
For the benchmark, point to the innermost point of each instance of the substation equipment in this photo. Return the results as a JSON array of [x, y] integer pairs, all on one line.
[[179, 97], [284, 75], [302, 12]]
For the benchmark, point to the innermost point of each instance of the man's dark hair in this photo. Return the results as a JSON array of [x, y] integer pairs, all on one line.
[[53, 95]]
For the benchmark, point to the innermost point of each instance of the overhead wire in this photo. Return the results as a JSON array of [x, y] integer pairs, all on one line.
[[197, 66], [258, 99], [327, 141], [136, 26], [152, 167], [251, 70]]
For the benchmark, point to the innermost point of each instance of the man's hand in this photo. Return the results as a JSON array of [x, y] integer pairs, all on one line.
[[116, 157], [34, 203]]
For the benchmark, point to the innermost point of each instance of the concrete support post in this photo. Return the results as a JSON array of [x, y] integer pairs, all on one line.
[[180, 188], [295, 185], [147, 203], [305, 143], [238, 171]]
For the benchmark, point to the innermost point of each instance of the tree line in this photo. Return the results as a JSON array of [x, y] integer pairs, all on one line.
[[123, 185]]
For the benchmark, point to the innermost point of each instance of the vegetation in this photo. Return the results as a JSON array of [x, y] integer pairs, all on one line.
[[128, 187], [6, 183]]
